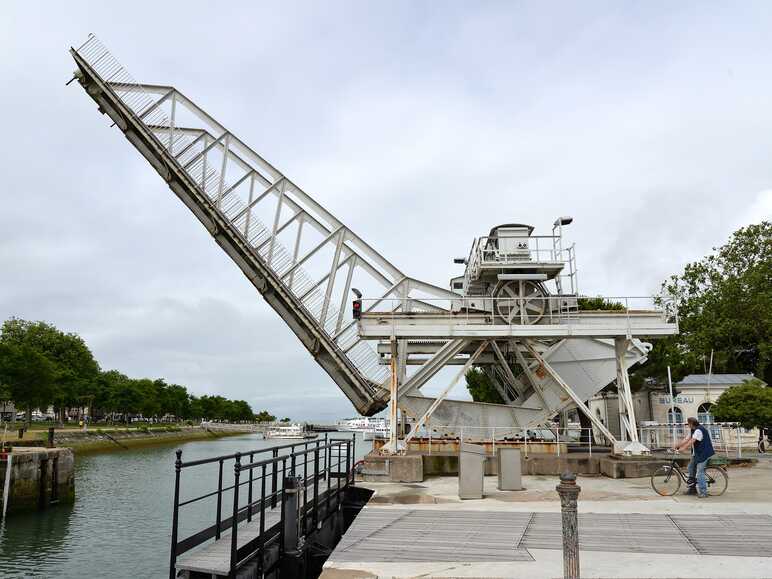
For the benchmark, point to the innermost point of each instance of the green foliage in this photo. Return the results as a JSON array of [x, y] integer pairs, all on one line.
[[41, 365], [27, 375], [285, 419], [750, 404], [74, 368], [598, 303], [724, 304], [265, 416], [481, 388]]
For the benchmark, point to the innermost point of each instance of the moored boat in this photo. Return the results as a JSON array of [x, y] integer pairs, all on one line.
[[293, 431]]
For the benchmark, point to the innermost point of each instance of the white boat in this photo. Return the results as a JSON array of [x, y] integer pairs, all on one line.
[[369, 427], [376, 432], [292, 431]]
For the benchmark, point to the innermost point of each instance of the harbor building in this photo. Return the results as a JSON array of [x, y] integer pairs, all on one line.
[[695, 396]]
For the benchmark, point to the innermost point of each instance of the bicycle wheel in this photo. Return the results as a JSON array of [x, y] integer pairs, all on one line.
[[665, 481], [717, 480]]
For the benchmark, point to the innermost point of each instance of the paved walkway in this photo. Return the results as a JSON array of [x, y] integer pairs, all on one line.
[[626, 531]]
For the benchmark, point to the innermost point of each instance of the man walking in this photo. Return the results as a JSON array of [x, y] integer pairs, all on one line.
[[702, 450]]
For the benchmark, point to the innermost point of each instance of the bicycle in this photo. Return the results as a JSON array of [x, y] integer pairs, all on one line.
[[667, 479]]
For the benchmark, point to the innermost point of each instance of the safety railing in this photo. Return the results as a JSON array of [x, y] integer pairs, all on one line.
[[313, 472], [539, 439], [629, 311], [728, 438], [489, 251]]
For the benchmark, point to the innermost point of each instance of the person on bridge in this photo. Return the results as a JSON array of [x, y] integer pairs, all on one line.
[[702, 449]]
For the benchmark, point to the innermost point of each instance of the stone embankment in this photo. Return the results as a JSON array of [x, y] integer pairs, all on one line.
[[35, 477], [98, 439]]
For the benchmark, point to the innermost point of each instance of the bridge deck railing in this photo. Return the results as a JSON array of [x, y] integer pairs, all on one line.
[[260, 476]]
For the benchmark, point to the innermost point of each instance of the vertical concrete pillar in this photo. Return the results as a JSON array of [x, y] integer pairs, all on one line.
[[568, 491]]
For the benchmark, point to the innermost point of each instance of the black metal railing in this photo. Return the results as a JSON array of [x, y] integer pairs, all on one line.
[[289, 472]]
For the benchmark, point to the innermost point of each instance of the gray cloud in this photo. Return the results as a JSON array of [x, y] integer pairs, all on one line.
[[418, 127]]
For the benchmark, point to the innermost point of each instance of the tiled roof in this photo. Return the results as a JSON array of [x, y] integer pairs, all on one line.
[[701, 379]]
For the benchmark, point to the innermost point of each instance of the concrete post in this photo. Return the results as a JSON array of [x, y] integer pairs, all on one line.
[[569, 492]]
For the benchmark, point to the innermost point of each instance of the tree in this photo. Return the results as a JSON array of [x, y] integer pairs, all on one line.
[[598, 303], [196, 410], [177, 401], [28, 376], [241, 411], [480, 387], [724, 304], [750, 404], [265, 416], [151, 393], [75, 370], [285, 419], [125, 396]]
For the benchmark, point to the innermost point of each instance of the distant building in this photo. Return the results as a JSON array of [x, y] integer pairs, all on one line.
[[605, 407], [696, 395]]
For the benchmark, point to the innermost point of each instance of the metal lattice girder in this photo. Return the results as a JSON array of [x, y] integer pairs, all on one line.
[[302, 259], [432, 366]]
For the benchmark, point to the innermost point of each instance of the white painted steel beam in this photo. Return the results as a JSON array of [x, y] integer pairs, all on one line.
[[568, 390], [438, 400]]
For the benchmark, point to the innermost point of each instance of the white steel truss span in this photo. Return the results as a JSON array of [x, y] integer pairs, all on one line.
[[301, 258], [305, 263]]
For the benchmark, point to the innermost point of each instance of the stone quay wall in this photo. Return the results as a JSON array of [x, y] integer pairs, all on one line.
[[37, 477]]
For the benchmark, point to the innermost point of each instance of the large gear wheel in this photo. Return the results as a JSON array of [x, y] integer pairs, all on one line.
[[520, 302]]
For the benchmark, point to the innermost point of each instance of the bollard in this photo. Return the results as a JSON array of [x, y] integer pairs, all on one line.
[[21, 433], [51, 437], [293, 561], [569, 492]]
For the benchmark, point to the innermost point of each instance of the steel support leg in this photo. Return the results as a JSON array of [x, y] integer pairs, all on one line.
[[626, 406], [393, 445]]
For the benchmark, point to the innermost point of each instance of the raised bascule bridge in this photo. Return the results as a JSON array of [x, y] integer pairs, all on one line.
[[514, 313]]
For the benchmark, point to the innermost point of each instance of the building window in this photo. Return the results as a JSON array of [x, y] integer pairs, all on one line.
[[705, 416], [676, 416], [703, 413]]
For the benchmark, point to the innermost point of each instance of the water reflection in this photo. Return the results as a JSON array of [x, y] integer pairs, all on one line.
[[120, 523]]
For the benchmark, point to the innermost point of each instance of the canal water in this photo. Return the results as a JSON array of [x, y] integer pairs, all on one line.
[[120, 523]]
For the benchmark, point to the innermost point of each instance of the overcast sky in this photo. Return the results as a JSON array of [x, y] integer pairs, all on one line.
[[419, 124]]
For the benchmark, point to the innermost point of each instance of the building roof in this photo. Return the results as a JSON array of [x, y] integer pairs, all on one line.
[[715, 379]]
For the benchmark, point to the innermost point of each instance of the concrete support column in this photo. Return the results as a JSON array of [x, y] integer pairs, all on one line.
[[568, 491]]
